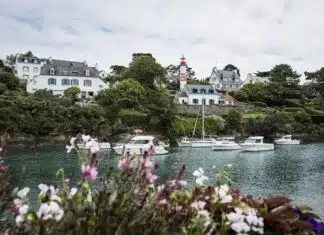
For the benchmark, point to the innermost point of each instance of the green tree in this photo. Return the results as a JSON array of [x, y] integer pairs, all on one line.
[[116, 72], [146, 71], [131, 93], [214, 124], [282, 72], [9, 79], [233, 120], [72, 92], [29, 54], [231, 67], [241, 95], [317, 78]]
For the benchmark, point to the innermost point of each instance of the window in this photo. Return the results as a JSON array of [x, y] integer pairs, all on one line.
[[195, 90], [141, 142], [218, 86], [51, 81], [65, 71], [35, 77], [26, 60], [87, 72], [74, 72], [195, 101], [35, 61], [74, 82], [203, 91], [211, 91], [35, 70], [26, 69], [203, 101], [87, 83], [25, 77], [90, 93], [222, 77], [211, 102], [65, 82], [52, 71]]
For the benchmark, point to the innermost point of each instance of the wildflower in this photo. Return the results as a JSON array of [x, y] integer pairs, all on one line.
[[124, 163], [23, 193], [240, 227], [44, 189], [200, 176], [88, 172], [23, 209], [224, 195], [151, 177], [50, 210], [71, 146], [204, 214], [198, 205]]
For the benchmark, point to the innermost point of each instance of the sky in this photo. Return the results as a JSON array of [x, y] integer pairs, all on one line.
[[253, 35]]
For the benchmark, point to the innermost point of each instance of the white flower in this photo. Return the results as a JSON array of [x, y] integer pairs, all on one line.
[[200, 176], [71, 146], [206, 217], [73, 192], [23, 209], [85, 138], [47, 217], [227, 199], [50, 210], [240, 227], [18, 202], [198, 205], [59, 215], [56, 198], [89, 197], [72, 141], [160, 188], [19, 219], [223, 194], [23, 193]]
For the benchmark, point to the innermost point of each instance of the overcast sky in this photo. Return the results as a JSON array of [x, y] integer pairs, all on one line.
[[251, 34]]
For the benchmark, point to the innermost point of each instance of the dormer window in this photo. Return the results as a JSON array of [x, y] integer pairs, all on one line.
[[26, 60], [87, 72], [52, 71], [35, 61], [195, 90], [211, 91], [203, 91]]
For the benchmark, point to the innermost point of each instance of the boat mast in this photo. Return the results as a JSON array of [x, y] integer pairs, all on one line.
[[203, 118]]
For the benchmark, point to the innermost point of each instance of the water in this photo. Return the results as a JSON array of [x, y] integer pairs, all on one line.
[[295, 171]]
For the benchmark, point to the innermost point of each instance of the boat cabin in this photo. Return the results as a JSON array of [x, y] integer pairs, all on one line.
[[286, 137], [255, 139], [140, 140]]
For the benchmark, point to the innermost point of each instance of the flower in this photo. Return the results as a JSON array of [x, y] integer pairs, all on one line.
[[50, 210], [23, 209], [198, 205], [223, 194], [93, 145], [19, 219], [71, 146], [88, 172], [23, 193], [44, 189], [151, 177], [124, 163], [73, 192], [85, 138], [200, 176]]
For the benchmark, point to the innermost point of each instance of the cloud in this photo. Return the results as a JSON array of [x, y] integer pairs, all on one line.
[[253, 35]]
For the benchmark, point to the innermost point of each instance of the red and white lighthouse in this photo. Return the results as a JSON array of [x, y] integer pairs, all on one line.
[[183, 73]]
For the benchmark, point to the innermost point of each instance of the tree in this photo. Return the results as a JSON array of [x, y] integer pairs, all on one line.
[[263, 73], [282, 72], [72, 92], [29, 54], [10, 80], [131, 93], [146, 71], [173, 71], [233, 120], [116, 72], [1, 64], [231, 67], [215, 124], [317, 78]]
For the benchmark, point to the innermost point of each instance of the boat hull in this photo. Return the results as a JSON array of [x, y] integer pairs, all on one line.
[[287, 142], [180, 144], [202, 144], [221, 147], [137, 151], [102, 146], [257, 147]]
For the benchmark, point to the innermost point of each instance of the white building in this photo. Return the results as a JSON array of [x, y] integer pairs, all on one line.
[[28, 68], [193, 94], [252, 79], [226, 80]]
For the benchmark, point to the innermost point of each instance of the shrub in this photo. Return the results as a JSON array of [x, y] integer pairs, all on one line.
[[241, 95], [259, 104], [133, 118], [293, 110], [317, 119], [313, 111], [293, 103]]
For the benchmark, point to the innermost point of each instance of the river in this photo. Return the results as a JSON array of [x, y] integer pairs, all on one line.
[[295, 171]]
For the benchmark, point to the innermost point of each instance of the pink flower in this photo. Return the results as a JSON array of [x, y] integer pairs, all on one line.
[[88, 172], [148, 163], [151, 178], [66, 180], [124, 164]]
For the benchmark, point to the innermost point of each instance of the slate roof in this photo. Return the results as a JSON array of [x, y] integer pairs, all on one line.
[[181, 94], [231, 76], [34, 60], [68, 68], [190, 88]]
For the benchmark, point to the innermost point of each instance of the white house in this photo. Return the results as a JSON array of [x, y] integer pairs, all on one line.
[[27, 68], [58, 75], [193, 94], [227, 80], [103, 74], [252, 79]]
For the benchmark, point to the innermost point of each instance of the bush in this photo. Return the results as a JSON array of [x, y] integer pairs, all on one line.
[[259, 104], [313, 111], [293, 110], [293, 103], [241, 95], [133, 118]]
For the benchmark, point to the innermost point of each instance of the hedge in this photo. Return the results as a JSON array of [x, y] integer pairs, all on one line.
[[259, 104], [293, 110]]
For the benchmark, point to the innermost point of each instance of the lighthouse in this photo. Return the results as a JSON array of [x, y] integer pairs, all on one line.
[[183, 74]]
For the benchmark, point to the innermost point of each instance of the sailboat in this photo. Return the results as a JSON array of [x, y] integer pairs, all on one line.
[[203, 142]]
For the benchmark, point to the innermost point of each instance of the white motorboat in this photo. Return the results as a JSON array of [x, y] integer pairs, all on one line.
[[203, 143], [185, 142], [286, 140], [141, 142], [102, 145], [226, 143], [255, 144]]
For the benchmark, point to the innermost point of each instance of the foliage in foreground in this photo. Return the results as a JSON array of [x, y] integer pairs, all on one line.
[[130, 203]]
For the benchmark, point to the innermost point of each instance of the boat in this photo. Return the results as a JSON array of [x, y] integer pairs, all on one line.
[[226, 143], [102, 145], [141, 142], [256, 144], [286, 140], [164, 144], [185, 142]]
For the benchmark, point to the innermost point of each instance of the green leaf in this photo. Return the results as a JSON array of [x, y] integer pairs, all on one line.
[[60, 173]]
